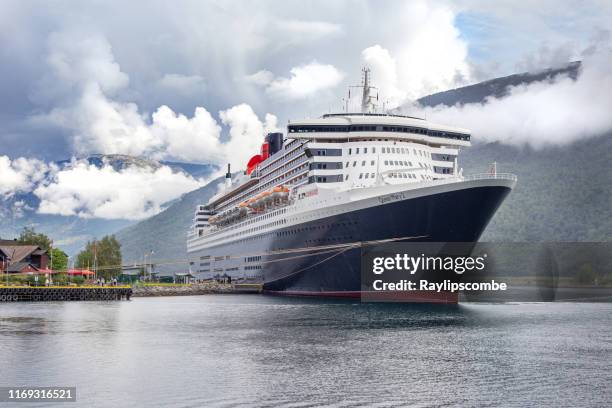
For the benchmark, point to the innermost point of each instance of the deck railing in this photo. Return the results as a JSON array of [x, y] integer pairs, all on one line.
[[491, 176]]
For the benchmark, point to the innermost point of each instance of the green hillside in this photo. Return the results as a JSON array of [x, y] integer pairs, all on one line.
[[166, 232], [562, 194]]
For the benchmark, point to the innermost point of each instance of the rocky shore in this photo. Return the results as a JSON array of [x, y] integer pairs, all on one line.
[[187, 290]]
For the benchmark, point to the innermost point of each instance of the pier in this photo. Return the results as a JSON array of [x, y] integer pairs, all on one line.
[[63, 293]]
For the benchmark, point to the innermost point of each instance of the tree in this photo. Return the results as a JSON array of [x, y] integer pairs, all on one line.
[[30, 237], [107, 256], [59, 259]]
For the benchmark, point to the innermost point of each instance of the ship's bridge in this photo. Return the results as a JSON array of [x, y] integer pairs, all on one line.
[[352, 126]]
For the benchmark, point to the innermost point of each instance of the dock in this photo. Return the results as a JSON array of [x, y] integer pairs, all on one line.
[[63, 293]]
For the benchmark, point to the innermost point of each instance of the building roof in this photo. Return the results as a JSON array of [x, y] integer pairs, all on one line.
[[17, 252]]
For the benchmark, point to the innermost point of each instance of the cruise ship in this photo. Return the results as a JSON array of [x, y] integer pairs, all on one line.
[[296, 219]]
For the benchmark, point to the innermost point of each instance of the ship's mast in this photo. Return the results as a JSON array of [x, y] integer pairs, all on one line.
[[367, 100]]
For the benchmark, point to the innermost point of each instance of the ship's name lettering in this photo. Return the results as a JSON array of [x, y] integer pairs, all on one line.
[[391, 197]]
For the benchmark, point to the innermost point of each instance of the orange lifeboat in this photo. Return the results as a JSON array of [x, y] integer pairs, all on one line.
[[280, 192], [266, 196]]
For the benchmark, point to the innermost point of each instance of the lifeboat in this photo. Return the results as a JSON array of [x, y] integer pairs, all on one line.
[[280, 192], [243, 208], [258, 201], [267, 197]]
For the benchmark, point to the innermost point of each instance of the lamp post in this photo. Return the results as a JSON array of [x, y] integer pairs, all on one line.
[[5, 268], [144, 267], [150, 265]]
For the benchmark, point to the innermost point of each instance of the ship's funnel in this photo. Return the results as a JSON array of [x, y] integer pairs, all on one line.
[[228, 177], [275, 142]]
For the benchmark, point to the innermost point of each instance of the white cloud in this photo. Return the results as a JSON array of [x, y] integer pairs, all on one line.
[[192, 139], [428, 54], [261, 78], [542, 113], [305, 81], [98, 123], [87, 191], [384, 75], [246, 133], [20, 175]]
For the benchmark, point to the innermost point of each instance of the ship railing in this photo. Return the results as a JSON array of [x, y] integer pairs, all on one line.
[[490, 176], [250, 216]]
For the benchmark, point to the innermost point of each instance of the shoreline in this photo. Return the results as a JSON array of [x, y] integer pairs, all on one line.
[[190, 290]]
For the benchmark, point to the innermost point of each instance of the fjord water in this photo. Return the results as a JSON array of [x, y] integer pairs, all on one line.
[[232, 350]]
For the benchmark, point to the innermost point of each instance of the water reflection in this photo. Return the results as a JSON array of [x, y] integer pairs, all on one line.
[[262, 351]]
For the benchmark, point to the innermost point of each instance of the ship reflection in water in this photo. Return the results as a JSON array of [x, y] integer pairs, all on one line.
[[228, 350]]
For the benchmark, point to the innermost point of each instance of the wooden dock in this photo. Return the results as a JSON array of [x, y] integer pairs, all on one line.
[[63, 293]]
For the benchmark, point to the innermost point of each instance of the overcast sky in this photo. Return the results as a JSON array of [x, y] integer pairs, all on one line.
[[202, 81]]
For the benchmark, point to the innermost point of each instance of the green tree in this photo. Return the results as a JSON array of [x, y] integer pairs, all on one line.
[[30, 237], [59, 260], [106, 253]]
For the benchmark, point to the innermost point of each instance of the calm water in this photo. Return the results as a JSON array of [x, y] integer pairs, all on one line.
[[253, 350]]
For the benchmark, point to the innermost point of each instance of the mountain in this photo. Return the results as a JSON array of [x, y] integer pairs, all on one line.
[[165, 233], [497, 87], [71, 232], [563, 193]]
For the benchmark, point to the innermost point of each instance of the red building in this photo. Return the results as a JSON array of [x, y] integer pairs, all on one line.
[[20, 258]]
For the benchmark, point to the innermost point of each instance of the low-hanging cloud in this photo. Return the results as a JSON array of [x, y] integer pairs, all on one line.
[[87, 191], [20, 175], [551, 112]]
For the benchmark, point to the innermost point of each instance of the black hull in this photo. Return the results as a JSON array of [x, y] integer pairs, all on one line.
[[453, 216]]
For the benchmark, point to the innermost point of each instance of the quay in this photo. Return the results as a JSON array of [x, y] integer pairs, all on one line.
[[63, 293], [192, 289]]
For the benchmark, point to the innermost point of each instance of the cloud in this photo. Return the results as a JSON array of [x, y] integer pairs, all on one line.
[[183, 84], [99, 123], [261, 78], [304, 82], [309, 29], [539, 114], [19, 175], [384, 75], [76, 61], [245, 133], [427, 56], [134, 193]]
